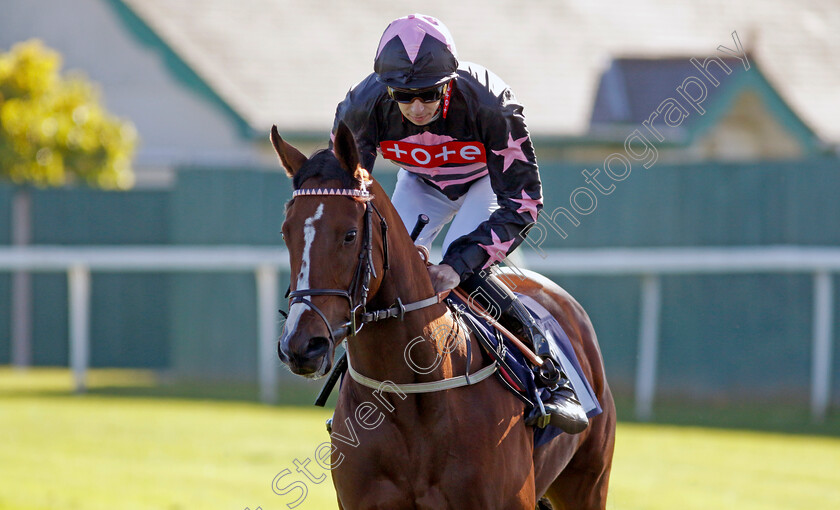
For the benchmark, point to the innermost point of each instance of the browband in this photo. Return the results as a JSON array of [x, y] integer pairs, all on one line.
[[359, 193]]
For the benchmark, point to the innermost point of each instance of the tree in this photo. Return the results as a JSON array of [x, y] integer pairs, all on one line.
[[53, 131]]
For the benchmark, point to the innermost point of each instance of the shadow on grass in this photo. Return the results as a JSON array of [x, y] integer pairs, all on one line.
[[51, 383], [783, 417], [289, 394]]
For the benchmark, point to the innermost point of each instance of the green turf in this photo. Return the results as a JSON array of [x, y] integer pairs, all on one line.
[[133, 443], [110, 451], [667, 467]]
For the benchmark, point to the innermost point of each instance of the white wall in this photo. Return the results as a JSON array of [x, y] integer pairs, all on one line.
[[176, 125]]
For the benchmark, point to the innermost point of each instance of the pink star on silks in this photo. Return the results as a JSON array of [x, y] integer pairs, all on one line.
[[529, 204], [512, 152], [411, 31], [497, 250]]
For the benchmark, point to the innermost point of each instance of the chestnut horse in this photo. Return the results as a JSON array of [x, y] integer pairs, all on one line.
[[465, 447]]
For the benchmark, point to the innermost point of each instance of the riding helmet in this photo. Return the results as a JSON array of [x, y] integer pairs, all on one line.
[[415, 52]]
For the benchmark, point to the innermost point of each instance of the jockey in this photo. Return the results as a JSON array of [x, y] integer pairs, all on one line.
[[458, 135]]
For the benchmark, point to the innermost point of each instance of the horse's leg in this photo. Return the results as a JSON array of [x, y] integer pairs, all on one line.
[[584, 481], [579, 490], [583, 484]]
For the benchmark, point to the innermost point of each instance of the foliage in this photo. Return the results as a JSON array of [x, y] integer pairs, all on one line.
[[53, 127]]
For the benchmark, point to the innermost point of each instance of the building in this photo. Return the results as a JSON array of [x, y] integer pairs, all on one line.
[[693, 109]]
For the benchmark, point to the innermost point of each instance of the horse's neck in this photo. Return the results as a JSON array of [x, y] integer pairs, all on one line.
[[390, 350]]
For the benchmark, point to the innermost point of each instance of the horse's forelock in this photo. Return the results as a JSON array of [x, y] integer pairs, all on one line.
[[324, 166]]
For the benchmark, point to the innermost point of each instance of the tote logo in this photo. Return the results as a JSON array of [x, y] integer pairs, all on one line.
[[433, 156]]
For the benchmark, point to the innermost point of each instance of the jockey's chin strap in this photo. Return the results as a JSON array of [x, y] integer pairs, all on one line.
[[360, 285]]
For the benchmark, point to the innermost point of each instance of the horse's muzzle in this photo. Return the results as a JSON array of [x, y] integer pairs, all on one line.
[[306, 357]]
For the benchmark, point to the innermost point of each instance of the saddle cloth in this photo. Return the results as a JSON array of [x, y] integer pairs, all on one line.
[[516, 374]]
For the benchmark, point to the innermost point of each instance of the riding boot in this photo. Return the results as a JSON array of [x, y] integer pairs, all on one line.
[[563, 405]]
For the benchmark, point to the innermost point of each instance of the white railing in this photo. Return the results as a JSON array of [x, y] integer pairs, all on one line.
[[652, 263], [78, 262], [265, 263]]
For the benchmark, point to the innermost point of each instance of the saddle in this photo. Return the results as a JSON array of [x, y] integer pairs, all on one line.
[[514, 371], [516, 374]]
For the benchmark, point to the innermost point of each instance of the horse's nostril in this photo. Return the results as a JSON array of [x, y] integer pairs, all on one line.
[[318, 346], [280, 354]]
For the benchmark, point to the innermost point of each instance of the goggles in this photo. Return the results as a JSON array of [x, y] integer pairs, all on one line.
[[406, 96]]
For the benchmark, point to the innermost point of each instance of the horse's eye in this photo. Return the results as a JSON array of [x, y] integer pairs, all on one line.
[[350, 236]]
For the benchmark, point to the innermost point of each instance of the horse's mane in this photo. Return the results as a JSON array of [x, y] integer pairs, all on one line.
[[324, 165]]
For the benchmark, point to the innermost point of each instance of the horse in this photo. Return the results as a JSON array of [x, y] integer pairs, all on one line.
[[399, 441]]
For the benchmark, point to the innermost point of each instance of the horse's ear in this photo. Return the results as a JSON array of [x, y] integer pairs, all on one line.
[[345, 149], [291, 158]]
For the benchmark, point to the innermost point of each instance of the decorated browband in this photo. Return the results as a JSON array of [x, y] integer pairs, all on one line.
[[346, 192]]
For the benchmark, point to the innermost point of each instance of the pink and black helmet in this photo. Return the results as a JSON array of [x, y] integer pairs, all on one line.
[[415, 52]]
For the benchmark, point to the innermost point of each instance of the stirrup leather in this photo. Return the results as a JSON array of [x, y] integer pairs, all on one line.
[[549, 374]]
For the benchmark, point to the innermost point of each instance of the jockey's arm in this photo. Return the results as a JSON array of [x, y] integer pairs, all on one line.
[[514, 176]]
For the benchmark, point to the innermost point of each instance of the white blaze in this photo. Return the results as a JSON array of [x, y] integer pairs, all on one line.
[[303, 276]]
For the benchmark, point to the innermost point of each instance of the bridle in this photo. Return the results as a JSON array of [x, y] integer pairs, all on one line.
[[360, 284]]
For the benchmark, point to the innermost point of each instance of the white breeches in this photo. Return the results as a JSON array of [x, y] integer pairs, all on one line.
[[412, 197]]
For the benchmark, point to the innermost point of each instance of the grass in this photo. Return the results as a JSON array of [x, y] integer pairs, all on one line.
[[134, 443], [686, 468], [106, 450]]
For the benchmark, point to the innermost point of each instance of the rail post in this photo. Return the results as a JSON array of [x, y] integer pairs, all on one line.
[[648, 346], [821, 353], [267, 320], [78, 287]]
